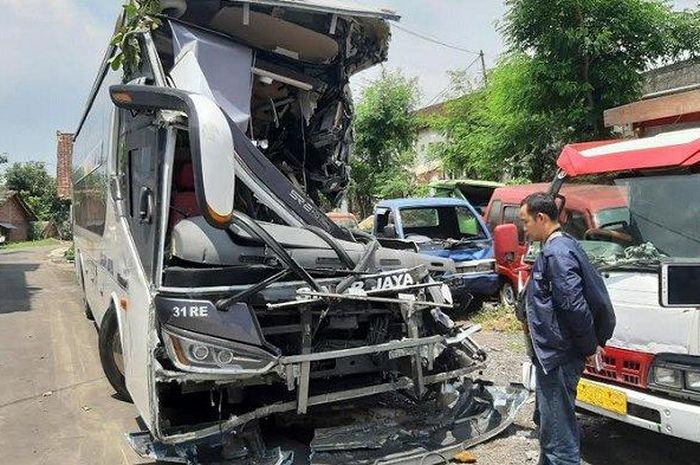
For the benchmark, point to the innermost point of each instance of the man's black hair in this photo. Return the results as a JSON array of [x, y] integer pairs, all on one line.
[[541, 202]]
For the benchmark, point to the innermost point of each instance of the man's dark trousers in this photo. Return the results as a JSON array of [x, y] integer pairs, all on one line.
[[556, 398]]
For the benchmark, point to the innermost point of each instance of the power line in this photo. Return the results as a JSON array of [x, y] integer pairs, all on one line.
[[443, 92], [434, 40]]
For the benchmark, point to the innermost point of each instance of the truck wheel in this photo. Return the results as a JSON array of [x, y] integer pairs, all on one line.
[[507, 295], [111, 355]]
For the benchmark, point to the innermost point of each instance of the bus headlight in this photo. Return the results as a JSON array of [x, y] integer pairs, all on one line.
[[668, 377], [692, 380], [205, 354]]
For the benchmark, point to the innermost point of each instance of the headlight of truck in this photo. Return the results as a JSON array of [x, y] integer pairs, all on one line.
[[668, 377], [692, 380], [204, 354], [476, 266]]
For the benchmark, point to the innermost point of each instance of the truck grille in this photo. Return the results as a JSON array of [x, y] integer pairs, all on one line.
[[624, 367]]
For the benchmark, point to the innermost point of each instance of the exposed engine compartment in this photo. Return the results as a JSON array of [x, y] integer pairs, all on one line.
[[300, 107]]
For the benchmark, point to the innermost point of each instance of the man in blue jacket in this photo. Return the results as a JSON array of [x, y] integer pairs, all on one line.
[[569, 316]]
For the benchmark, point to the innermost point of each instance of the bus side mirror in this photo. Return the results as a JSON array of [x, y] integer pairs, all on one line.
[[679, 284], [505, 242], [211, 143]]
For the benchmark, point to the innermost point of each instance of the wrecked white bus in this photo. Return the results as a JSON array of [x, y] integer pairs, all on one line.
[[244, 325]]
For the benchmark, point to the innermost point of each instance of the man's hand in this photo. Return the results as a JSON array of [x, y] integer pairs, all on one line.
[[596, 360]]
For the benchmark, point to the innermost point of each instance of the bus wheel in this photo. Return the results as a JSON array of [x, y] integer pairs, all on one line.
[[111, 354], [507, 294]]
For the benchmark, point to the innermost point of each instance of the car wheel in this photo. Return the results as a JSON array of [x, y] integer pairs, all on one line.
[[507, 295], [111, 355]]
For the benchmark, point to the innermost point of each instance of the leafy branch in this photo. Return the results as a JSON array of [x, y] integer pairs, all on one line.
[[139, 17]]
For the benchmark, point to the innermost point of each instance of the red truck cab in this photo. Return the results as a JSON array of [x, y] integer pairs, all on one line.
[[587, 209]]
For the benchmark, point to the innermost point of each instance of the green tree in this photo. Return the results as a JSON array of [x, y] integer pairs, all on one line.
[[569, 60], [385, 132], [38, 190], [492, 133], [588, 54]]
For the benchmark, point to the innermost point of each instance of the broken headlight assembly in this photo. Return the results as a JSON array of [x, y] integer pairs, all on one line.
[[199, 353]]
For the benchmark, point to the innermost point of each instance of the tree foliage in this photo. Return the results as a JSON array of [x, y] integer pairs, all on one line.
[[569, 60], [38, 190], [139, 17], [385, 131]]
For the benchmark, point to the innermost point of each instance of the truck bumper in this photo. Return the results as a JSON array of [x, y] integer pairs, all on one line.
[[667, 416], [475, 284]]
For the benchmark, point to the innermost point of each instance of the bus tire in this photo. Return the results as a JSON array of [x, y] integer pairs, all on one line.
[[111, 355]]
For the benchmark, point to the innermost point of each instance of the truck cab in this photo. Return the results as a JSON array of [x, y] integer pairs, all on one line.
[[651, 365], [585, 208], [447, 228]]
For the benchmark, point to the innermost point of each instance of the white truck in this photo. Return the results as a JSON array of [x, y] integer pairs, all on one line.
[[651, 367]]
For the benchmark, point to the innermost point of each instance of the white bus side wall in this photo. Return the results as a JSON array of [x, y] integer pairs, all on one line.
[[112, 272]]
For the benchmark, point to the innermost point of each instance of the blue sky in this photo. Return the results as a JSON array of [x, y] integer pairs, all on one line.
[[51, 50]]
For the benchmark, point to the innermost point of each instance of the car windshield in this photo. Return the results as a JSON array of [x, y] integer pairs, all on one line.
[[449, 223], [661, 220]]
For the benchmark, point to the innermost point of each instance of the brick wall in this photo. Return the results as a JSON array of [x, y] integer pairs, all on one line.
[[11, 212], [64, 164]]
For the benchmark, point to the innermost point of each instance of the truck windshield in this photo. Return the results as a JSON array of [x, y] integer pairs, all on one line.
[[662, 219], [444, 223]]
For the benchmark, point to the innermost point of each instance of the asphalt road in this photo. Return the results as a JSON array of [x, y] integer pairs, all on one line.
[[56, 406]]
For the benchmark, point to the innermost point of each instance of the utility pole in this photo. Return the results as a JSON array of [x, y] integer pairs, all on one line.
[[483, 66]]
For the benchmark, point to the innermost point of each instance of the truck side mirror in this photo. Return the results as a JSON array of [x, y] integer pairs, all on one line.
[[678, 284], [211, 143], [505, 239]]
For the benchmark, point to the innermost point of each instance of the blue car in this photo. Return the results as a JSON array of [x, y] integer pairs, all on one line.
[[448, 228]]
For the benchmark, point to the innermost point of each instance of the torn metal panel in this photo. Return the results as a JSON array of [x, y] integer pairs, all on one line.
[[415, 434], [246, 448], [225, 69]]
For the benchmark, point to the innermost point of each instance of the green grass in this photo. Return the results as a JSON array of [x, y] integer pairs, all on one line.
[[497, 318], [30, 244]]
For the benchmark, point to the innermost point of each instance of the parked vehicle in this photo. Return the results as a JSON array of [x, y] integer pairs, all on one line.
[[476, 192], [222, 294], [651, 366], [345, 220], [587, 208], [367, 225], [448, 228]]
